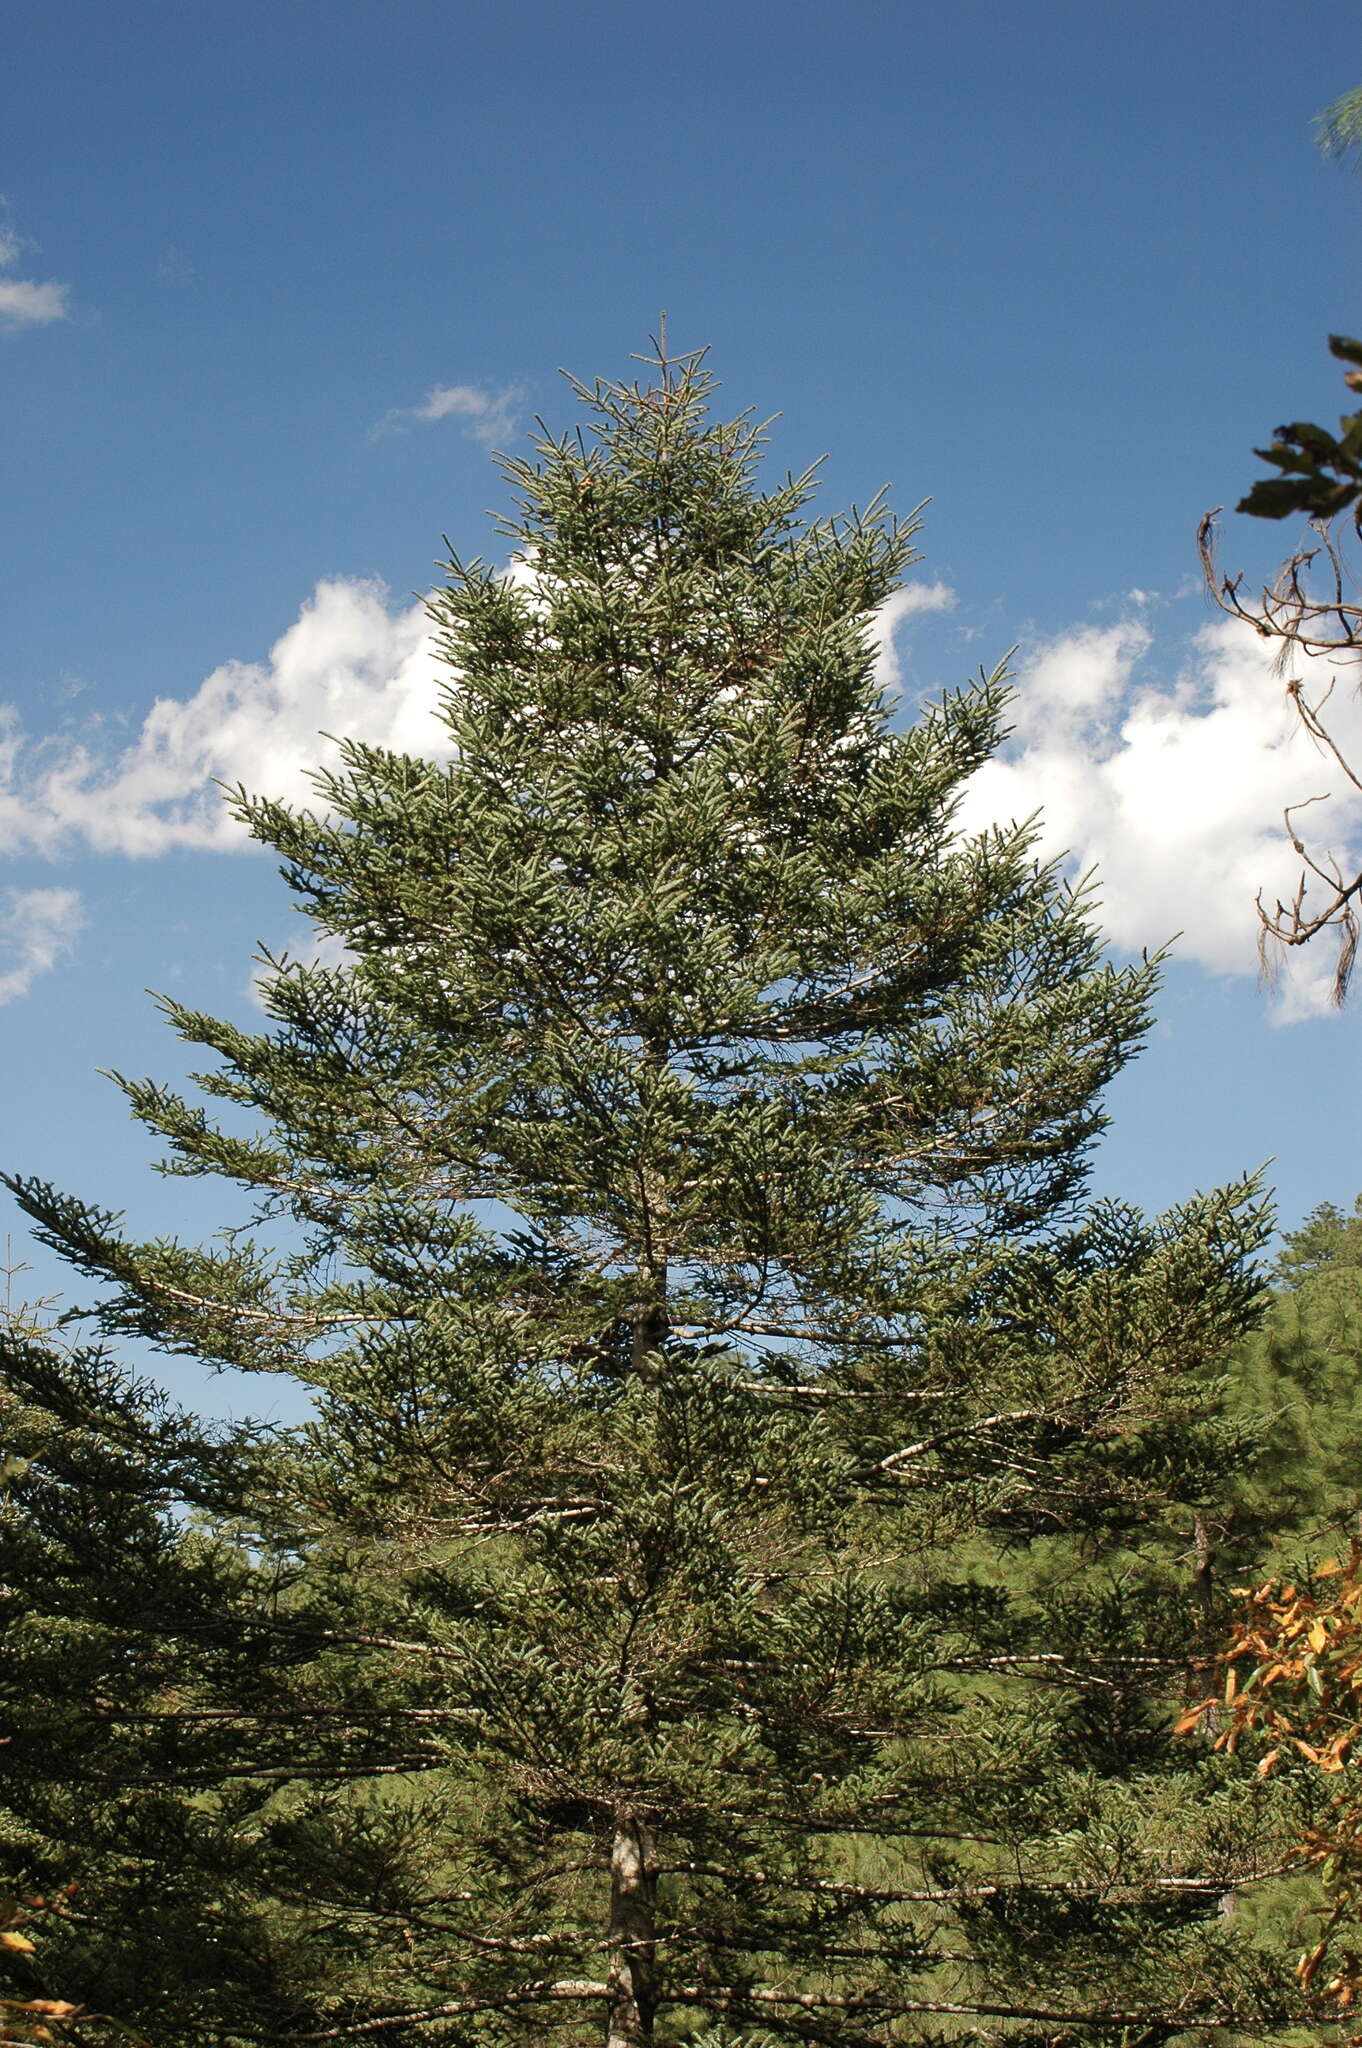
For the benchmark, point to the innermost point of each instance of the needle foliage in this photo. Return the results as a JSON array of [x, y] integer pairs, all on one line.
[[733, 1582]]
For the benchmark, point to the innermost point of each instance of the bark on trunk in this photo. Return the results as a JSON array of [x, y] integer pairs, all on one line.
[[649, 1336], [1202, 1669], [631, 1982], [1203, 1580], [631, 1999], [1203, 1593]]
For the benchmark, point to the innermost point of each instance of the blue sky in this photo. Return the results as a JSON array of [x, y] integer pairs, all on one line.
[[276, 274]]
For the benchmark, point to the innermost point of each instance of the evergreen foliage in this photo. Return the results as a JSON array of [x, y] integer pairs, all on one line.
[[1289, 1687], [1338, 129], [736, 1572], [1298, 1379]]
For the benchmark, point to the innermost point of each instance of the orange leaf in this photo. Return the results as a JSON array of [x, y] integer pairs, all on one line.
[[1308, 1964], [9, 1939], [1268, 1761]]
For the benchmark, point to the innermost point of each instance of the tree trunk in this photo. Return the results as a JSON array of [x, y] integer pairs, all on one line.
[[645, 1345], [1203, 1579], [632, 1981]]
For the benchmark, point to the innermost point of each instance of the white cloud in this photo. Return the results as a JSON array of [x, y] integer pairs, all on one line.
[[1168, 774], [900, 605], [1173, 788], [24, 303], [489, 415], [348, 666], [37, 927]]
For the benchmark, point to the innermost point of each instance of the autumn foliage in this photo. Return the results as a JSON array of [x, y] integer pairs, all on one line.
[[1293, 1679], [32, 2021]]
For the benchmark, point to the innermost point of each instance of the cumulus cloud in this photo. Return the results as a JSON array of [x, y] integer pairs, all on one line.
[[489, 416], [898, 607], [348, 666], [1165, 767], [1169, 777], [23, 301], [37, 927]]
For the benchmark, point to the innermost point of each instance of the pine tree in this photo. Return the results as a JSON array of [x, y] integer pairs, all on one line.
[[1298, 1379], [733, 1573]]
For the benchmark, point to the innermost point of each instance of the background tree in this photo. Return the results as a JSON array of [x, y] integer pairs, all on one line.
[[1299, 1376], [1292, 1663], [742, 1549], [1293, 1693]]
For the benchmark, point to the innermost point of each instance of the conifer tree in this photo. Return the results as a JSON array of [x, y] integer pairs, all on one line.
[[1298, 1379], [1286, 1688], [732, 1581]]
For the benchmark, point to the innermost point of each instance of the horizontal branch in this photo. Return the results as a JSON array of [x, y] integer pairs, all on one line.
[[758, 1998], [942, 1436], [544, 1991], [946, 1895], [731, 1999]]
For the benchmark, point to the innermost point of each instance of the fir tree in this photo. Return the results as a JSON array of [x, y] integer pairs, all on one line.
[[732, 1577]]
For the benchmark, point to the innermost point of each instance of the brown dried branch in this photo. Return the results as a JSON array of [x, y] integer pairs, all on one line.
[[1313, 611]]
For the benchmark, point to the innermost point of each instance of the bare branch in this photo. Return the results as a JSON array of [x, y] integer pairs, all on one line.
[[1313, 611]]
